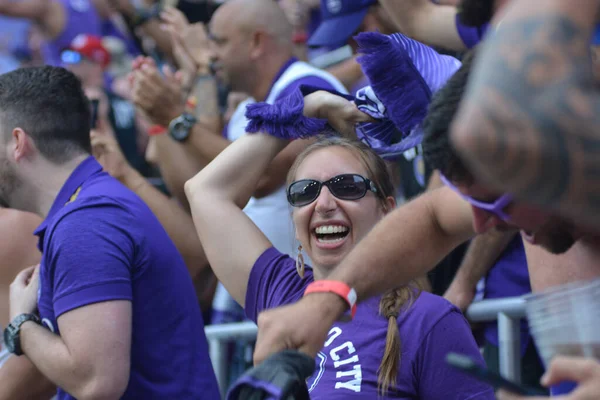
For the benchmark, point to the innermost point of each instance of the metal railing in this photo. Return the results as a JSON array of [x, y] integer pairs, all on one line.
[[508, 312]]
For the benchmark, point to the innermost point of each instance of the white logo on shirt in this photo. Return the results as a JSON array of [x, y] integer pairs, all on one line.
[[345, 362], [334, 6]]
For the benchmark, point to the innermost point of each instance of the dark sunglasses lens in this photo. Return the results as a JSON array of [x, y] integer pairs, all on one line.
[[348, 187], [303, 192]]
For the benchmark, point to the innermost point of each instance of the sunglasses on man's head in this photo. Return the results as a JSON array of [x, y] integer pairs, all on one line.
[[497, 207], [344, 187]]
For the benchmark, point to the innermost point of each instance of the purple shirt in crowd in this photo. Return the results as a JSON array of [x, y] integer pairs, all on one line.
[[470, 35], [100, 242], [80, 17], [346, 368]]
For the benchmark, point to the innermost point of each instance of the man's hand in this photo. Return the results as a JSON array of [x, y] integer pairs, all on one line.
[[460, 296], [301, 326], [161, 99], [24, 292], [174, 18], [176, 24], [584, 371], [107, 151], [194, 40], [341, 114]]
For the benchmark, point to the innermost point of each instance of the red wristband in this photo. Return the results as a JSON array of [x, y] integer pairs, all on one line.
[[300, 37], [337, 287], [156, 130]]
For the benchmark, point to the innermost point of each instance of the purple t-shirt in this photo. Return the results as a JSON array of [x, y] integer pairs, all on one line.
[[81, 17], [470, 35], [346, 368], [100, 242]]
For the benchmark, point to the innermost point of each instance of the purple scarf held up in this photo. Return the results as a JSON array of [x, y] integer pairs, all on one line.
[[404, 73]]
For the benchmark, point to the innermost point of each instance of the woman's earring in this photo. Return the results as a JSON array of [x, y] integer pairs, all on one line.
[[300, 262]]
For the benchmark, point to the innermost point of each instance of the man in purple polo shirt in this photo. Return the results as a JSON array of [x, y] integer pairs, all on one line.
[[111, 311]]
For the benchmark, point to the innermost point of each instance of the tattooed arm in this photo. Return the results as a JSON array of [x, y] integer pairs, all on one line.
[[530, 122]]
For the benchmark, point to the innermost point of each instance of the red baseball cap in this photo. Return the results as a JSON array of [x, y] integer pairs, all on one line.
[[90, 47]]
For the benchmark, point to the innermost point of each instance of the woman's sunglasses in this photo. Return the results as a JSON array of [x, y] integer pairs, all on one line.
[[497, 207], [344, 187]]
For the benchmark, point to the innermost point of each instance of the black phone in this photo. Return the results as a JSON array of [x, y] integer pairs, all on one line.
[[467, 365], [95, 103]]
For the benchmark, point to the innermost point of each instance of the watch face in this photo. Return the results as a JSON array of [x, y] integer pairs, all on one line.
[[180, 131], [180, 128]]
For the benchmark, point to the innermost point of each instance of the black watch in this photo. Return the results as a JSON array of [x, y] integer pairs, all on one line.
[[180, 127], [12, 333]]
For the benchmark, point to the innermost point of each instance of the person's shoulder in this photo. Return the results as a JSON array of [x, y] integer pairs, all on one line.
[[434, 304], [273, 257], [92, 210], [105, 191], [427, 310]]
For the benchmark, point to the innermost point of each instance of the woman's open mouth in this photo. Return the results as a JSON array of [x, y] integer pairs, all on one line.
[[330, 234]]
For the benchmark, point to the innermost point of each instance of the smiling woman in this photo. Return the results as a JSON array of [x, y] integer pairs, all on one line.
[[338, 189]]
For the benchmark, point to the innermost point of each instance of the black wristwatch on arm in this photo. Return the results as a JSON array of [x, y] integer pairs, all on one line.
[[12, 333], [180, 127]]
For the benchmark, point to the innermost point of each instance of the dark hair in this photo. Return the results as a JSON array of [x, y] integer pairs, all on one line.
[[49, 104], [394, 301], [476, 12], [438, 152]]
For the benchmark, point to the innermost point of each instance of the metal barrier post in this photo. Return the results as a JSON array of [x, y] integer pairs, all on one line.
[[509, 340], [218, 336], [218, 355]]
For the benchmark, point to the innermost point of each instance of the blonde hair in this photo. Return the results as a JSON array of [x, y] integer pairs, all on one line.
[[394, 300]]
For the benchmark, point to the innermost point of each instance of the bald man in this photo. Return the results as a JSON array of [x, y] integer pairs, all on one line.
[[19, 379], [251, 50]]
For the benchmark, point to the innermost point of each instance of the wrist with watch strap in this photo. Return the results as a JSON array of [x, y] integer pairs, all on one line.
[[12, 333], [339, 288], [181, 126]]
